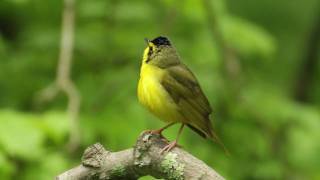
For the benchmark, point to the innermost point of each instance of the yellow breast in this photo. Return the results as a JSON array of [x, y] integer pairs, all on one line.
[[153, 96]]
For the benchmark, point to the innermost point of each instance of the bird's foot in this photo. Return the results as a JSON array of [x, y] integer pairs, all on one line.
[[169, 146], [156, 132]]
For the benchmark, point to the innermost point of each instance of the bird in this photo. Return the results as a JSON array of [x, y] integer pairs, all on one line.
[[169, 90]]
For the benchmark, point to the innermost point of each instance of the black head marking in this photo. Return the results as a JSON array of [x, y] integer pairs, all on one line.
[[161, 41]]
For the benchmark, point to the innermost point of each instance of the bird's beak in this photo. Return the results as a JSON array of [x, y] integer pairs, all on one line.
[[147, 41]]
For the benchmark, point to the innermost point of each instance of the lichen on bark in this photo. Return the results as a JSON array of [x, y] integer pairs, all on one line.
[[118, 171], [172, 167]]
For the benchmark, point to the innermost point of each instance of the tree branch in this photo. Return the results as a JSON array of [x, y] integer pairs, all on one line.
[[308, 69], [144, 159], [231, 63]]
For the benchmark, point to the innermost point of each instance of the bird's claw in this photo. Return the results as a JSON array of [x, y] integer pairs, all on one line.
[[169, 147]]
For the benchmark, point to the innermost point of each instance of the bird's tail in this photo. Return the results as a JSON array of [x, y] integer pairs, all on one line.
[[207, 132], [212, 135]]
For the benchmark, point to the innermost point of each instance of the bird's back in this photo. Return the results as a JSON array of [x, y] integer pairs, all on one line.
[[186, 92]]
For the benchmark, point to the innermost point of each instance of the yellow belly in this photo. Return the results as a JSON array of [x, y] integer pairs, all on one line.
[[154, 97]]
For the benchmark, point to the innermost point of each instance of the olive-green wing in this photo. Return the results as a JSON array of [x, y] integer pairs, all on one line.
[[186, 92]]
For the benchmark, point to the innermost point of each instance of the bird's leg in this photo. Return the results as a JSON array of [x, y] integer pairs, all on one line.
[[159, 131], [174, 143]]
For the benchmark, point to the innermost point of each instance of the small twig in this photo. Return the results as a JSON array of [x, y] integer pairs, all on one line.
[[306, 76], [63, 80], [230, 62], [63, 74], [144, 159]]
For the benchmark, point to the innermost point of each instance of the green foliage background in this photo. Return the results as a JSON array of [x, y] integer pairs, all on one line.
[[270, 133]]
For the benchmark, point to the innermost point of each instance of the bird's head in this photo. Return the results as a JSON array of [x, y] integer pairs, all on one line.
[[160, 52]]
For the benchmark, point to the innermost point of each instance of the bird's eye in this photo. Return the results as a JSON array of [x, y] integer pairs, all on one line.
[[150, 51]]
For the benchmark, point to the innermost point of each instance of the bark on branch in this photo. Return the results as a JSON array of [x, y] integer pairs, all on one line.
[[144, 159]]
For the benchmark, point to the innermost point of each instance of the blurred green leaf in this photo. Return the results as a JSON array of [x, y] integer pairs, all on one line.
[[248, 38], [268, 169], [19, 137], [6, 167], [304, 152], [93, 9], [47, 168], [55, 125], [129, 10]]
